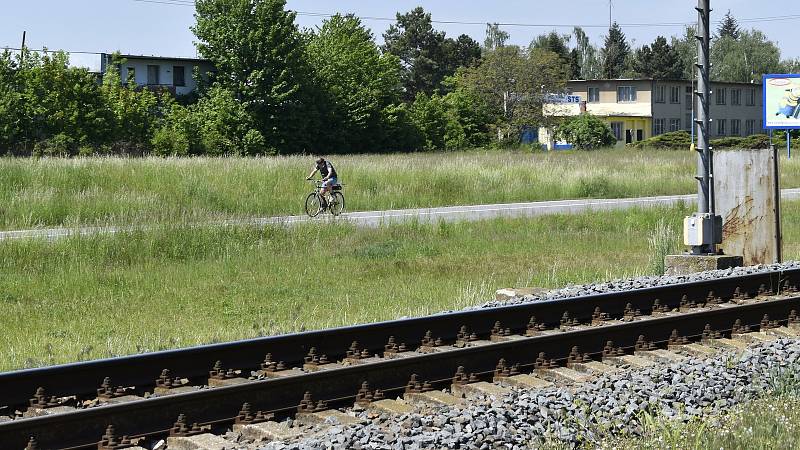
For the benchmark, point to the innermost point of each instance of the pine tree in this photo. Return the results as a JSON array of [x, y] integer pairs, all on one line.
[[660, 61], [615, 52], [729, 27]]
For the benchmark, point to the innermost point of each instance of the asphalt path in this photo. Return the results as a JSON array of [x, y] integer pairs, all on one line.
[[422, 215]]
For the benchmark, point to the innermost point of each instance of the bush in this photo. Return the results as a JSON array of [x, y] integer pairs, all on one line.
[[585, 132], [682, 140], [58, 145]]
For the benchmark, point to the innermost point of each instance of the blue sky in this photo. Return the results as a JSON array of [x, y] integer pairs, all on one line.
[[160, 29]]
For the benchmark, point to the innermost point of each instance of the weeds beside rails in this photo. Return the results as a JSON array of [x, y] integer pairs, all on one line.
[[122, 191], [771, 421]]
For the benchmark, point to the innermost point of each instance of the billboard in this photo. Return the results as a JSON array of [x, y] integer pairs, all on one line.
[[782, 101]]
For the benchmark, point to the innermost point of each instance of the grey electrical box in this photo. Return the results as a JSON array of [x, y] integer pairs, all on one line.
[[698, 228]]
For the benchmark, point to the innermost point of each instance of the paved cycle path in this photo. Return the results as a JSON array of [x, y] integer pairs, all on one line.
[[423, 215]]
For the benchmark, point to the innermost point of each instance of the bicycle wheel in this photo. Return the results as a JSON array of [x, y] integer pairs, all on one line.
[[313, 206], [337, 205]]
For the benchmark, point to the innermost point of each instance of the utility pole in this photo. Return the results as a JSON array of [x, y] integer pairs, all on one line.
[[703, 230], [610, 23], [22, 49]]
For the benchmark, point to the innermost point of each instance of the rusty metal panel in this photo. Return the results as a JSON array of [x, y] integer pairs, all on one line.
[[745, 192]]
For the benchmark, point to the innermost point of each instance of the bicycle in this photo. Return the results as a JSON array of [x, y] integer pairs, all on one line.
[[315, 203]]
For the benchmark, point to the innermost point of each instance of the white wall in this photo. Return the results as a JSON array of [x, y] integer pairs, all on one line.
[[165, 75]]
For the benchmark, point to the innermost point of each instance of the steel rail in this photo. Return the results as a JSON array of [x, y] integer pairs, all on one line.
[[194, 363], [83, 427]]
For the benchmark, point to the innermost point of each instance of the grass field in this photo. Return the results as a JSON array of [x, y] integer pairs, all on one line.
[[59, 192], [99, 296]]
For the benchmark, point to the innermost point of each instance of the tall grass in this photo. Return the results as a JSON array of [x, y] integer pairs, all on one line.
[[58, 192], [98, 296]]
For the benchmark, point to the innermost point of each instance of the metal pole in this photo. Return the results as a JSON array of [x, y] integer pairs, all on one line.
[[22, 49], [777, 200], [705, 204], [788, 144]]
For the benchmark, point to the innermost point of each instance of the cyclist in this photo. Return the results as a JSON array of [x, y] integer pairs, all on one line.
[[329, 178]]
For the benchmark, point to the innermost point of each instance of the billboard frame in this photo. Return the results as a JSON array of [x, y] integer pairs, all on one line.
[[764, 79]]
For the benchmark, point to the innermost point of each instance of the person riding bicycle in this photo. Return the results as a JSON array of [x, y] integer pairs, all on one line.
[[329, 177]]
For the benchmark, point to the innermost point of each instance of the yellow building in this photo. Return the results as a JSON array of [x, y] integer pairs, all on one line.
[[637, 109]]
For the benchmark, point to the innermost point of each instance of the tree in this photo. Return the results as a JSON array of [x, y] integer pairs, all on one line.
[[559, 44], [513, 83], [586, 55], [744, 59], [585, 132], [358, 82], [729, 27], [685, 47], [615, 52], [258, 52], [461, 52], [420, 49], [661, 62], [495, 37]]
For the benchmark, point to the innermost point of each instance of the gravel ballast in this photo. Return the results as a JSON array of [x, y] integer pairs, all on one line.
[[638, 283], [608, 405]]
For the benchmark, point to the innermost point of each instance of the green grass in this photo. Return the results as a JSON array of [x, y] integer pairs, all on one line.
[[106, 295], [771, 421], [59, 192]]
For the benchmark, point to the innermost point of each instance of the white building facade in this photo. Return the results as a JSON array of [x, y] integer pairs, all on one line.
[[173, 74]]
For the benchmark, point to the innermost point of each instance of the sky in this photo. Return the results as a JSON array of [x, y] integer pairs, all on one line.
[[138, 27]]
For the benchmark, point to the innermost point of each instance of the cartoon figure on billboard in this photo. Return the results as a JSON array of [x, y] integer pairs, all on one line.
[[781, 101], [790, 103]]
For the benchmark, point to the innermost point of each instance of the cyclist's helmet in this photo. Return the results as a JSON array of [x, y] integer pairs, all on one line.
[[320, 162]]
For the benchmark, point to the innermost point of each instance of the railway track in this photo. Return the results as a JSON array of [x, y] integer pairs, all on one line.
[[214, 387]]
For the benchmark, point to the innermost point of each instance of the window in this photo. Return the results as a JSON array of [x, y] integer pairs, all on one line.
[[721, 94], [721, 127], [736, 97], [750, 97], [658, 126], [688, 122], [735, 127], [661, 94], [749, 127], [594, 95], [178, 76], [675, 94], [616, 128], [674, 124], [152, 75], [131, 77], [626, 94]]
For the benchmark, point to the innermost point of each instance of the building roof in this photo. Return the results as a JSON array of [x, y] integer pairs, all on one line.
[[665, 80], [162, 58]]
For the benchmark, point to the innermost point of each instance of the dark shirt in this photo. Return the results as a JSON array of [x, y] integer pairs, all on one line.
[[327, 168]]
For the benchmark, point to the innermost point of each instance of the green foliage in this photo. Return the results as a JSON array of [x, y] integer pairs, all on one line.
[[729, 27], [259, 54], [133, 111], [427, 56], [682, 140], [744, 59], [685, 46], [217, 125], [512, 83], [358, 80], [585, 132], [661, 61], [495, 37], [615, 52]]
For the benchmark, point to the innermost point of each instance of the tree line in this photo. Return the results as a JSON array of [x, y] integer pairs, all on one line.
[[278, 89]]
